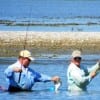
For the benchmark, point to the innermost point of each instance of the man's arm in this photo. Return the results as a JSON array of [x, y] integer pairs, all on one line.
[[45, 78], [81, 80], [41, 78], [94, 68], [9, 71]]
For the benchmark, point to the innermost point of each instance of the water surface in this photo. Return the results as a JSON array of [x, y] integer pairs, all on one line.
[[51, 66], [50, 15]]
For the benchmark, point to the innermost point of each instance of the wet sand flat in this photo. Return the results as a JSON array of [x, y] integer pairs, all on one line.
[[48, 42]]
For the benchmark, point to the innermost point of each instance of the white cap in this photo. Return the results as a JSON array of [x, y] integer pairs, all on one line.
[[76, 53], [26, 54]]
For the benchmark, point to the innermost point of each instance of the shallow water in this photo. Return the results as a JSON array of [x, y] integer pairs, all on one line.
[[50, 15], [51, 66]]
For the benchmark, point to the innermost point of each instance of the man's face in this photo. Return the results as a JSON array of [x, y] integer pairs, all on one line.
[[77, 61], [26, 62]]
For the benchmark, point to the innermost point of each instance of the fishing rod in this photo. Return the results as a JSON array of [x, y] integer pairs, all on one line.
[[25, 40]]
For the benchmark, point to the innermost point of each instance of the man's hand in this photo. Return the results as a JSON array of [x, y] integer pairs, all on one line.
[[17, 69], [57, 83], [55, 79], [93, 74]]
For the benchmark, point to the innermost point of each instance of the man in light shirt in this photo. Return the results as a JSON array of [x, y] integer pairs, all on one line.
[[78, 76], [23, 78]]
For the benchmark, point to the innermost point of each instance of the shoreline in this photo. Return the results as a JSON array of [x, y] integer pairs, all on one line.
[[11, 42]]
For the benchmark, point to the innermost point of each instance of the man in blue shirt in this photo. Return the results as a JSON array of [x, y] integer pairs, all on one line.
[[21, 77]]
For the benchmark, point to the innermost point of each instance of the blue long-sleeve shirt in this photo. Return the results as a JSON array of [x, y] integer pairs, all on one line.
[[28, 77]]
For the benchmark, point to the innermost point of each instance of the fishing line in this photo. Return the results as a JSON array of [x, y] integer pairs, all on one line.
[[25, 40], [27, 28]]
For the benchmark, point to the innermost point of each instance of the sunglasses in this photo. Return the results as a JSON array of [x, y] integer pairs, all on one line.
[[77, 58], [27, 59]]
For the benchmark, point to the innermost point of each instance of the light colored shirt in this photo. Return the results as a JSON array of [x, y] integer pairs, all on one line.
[[28, 77], [79, 78]]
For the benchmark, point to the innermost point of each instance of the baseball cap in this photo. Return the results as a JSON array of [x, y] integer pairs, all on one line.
[[76, 53], [26, 54]]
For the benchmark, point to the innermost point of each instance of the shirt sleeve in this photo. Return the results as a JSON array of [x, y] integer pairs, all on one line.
[[8, 72], [94, 68], [79, 79], [41, 78]]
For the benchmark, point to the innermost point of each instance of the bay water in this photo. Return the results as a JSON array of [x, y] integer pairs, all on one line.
[[51, 66], [50, 15]]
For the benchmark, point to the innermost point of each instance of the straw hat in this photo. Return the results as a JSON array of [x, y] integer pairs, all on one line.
[[26, 54], [76, 53]]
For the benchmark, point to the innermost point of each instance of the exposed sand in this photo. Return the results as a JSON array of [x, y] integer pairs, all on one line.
[[49, 42], [50, 35]]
